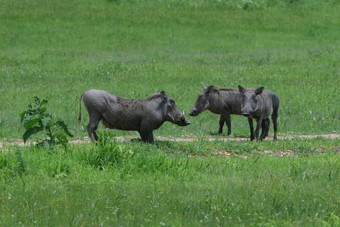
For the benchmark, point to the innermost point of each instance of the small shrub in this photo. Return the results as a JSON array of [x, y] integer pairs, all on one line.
[[36, 120]]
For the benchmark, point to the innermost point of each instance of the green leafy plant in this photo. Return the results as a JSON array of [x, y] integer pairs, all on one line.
[[37, 120]]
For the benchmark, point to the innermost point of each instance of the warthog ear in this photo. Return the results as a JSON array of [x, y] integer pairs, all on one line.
[[209, 89], [163, 95], [241, 89], [259, 90], [205, 87]]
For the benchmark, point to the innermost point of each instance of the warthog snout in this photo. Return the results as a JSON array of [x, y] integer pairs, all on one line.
[[246, 114], [185, 121], [193, 112]]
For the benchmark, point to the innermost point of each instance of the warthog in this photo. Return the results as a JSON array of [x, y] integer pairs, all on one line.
[[260, 104], [223, 101], [144, 115]]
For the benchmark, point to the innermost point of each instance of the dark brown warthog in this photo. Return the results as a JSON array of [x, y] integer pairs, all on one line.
[[260, 104], [144, 115], [223, 101]]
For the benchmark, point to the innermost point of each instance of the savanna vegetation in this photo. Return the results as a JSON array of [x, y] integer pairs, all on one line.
[[58, 49]]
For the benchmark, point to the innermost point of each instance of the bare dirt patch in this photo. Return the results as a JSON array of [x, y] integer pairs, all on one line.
[[4, 145], [280, 153], [188, 138], [227, 154], [185, 138]]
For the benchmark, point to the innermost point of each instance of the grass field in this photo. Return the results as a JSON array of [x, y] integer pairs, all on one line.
[[58, 49], [172, 184]]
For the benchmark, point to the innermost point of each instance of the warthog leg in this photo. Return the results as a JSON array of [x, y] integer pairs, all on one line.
[[220, 130], [145, 132], [225, 118], [265, 128], [228, 122], [251, 127], [92, 126], [257, 130], [274, 119]]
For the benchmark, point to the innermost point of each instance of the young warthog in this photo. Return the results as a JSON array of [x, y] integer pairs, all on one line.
[[259, 104], [143, 115], [223, 101]]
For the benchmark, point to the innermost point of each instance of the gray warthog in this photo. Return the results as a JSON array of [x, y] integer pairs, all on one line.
[[144, 115], [223, 101], [259, 104]]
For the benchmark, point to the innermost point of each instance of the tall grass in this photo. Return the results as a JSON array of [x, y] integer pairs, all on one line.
[[85, 186]]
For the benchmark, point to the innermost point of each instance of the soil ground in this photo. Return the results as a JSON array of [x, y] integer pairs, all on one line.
[[188, 138]]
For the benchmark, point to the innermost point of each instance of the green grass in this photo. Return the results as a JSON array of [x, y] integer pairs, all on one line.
[[134, 184], [57, 50]]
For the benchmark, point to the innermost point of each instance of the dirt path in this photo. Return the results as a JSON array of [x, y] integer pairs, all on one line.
[[188, 139], [210, 138]]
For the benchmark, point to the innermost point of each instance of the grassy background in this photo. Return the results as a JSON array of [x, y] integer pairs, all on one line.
[[57, 50]]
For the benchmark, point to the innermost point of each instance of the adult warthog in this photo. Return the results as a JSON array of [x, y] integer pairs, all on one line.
[[222, 101], [144, 115], [259, 104]]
